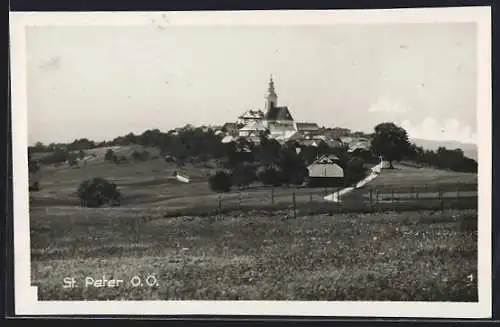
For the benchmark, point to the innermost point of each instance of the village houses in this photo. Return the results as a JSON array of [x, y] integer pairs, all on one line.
[[276, 122]]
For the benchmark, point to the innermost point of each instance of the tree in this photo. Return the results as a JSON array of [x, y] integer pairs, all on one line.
[[220, 182], [365, 155], [59, 156], [354, 170], [239, 152], [81, 144], [323, 148], [416, 153], [109, 155], [140, 155], [390, 141], [72, 159], [270, 176], [243, 175], [293, 166], [267, 153], [119, 159], [39, 147]]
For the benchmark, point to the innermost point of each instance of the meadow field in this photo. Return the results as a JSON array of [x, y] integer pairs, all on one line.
[[256, 249]]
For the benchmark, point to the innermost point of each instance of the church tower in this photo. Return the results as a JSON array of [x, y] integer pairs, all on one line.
[[271, 97]]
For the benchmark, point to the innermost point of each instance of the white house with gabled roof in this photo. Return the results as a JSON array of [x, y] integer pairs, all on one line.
[[251, 116], [252, 129]]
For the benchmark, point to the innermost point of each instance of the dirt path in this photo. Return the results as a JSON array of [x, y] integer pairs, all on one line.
[[336, 196]]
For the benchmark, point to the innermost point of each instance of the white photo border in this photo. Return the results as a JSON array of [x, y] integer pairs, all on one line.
[[26, 302]]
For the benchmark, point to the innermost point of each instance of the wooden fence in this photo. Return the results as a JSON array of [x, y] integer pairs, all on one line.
[[294, 202]]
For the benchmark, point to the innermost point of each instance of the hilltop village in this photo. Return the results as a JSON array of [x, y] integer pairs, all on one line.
[[276, 122], [322, 149]]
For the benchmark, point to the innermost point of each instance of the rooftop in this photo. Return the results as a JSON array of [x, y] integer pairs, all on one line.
[[307, 126], [253, 114], [279, 113], [326, 160]]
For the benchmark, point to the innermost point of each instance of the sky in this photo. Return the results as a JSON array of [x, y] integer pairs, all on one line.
[[100, 82]]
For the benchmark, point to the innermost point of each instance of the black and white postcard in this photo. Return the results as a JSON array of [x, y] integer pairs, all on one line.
[[293, 163]]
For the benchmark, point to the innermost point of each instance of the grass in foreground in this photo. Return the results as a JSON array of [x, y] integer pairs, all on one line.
[[412, 256]]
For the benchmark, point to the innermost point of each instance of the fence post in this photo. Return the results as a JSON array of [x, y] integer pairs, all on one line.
[[220, 206], [135, 229], [378, 195], [371, 199], [294, 206], [272, 195], [441, 197], [392, 196], [309, 210], [240, 199]]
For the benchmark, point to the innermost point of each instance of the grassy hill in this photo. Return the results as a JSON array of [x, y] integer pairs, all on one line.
[[246, 255], [127, 151], [99, 153]]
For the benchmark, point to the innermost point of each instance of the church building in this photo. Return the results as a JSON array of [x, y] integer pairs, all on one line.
[[277, 120]]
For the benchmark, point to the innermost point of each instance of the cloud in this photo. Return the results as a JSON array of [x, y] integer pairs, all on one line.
[[386, 104], [451, 130]]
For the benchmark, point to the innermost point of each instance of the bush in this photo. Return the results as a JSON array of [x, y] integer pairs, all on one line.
[[365, 155], [220, 182], [140, 155], [244, 175], [293, 168], [109, 155], [72, 160], [271, 176], [97, 192], [119, 159], [354, 171]]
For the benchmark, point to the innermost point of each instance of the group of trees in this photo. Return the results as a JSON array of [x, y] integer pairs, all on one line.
[[116, 158], [391, 141], [288, 167], [444, 159], [75, 146], [59, 156], [190, 144], [388, 140], [269, 162], [274, 164]]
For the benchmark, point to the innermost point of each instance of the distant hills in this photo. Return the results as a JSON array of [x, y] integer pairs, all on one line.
[[470, 150]]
